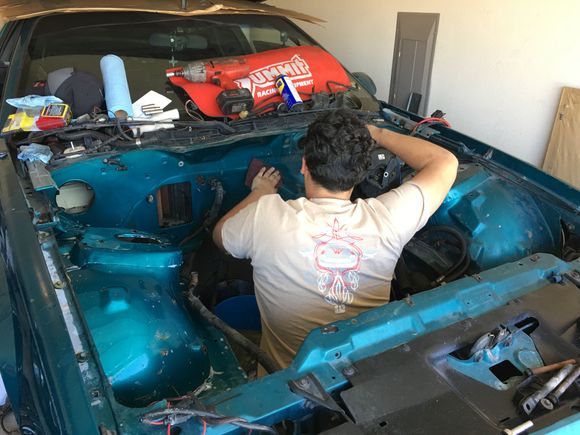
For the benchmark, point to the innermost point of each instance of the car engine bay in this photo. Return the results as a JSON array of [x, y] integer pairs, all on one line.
[[124, 223], [134, 227]]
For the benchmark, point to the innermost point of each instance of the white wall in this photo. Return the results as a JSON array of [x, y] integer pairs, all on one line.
[[499, 65]]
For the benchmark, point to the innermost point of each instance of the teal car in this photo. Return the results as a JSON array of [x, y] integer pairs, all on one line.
[[119, 316]]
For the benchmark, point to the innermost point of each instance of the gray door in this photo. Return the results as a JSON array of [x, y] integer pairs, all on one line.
[[413, 60]]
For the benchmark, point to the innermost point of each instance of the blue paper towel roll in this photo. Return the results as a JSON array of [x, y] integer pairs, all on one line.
[[116, 87]]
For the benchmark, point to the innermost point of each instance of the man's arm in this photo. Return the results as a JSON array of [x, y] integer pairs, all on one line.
[[436, 167], [264, 183]]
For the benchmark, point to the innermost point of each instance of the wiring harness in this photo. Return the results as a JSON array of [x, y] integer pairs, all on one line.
[[174, 416]]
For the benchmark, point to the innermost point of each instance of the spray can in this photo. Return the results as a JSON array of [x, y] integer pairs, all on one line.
[[288, 91]]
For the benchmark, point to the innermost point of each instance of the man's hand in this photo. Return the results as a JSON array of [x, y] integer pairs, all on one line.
[[436, 167], [266, 181]]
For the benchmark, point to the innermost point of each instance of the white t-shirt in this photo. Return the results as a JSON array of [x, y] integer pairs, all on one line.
[[321, 260]]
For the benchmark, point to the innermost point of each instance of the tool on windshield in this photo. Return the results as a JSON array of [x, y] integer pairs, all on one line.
[[233, 101], [311, 70], [288, 92], [221, 72], [54, 116], [117, 95]]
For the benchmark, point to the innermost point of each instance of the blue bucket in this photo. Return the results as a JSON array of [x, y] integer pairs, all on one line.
[[241, 311]]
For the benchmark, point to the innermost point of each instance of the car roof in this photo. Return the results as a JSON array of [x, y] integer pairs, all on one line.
[[12, 10]]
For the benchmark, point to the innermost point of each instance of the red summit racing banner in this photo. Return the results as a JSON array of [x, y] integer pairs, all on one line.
[[311, 69], [260, 81]]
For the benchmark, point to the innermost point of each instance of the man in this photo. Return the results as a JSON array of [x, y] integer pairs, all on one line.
[[324, 258]]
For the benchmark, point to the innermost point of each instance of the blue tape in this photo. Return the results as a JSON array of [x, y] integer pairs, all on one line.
[[117, 94]]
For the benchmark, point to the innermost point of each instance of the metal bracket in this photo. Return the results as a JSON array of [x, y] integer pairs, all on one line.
[[573, 276], [43, 214], [40, 177], [310, 388], [516, 346]]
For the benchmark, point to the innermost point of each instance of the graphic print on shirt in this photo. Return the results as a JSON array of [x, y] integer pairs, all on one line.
[[337, 259]]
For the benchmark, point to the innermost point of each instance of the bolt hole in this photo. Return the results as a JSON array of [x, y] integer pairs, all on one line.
[[505, 370], [337, 355], [528, 325]]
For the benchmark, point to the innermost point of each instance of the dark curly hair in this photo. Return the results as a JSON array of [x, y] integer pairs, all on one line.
[[337, 150]]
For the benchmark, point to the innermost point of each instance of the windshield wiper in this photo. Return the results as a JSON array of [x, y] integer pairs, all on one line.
[[96, 126], [273, 123]]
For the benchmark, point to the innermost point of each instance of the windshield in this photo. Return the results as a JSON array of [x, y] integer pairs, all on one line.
[[151, 43]]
